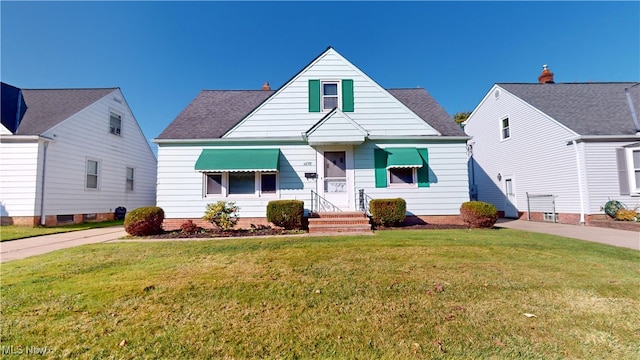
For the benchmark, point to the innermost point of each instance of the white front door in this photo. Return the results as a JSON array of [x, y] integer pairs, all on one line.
[[335, 167], [510, 208]]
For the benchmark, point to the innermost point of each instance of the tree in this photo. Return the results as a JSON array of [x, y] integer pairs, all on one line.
[[461, 117]]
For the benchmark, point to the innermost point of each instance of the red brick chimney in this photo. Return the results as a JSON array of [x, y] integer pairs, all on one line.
[[546, 77], [266, 86]]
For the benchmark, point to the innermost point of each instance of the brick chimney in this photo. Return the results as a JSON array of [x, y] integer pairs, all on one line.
[[266, 86], [546, 77]]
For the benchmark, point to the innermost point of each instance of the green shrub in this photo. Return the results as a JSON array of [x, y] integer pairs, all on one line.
[[144, 221], [478, 214], [287, 214], [388, 212], [627, 215], [222, 214]]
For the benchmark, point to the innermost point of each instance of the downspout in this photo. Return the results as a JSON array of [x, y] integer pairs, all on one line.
[[634, 116], [44, 171], [580, 189]]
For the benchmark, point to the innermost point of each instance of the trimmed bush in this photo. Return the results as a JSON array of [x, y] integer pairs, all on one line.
[[144, 221], [222, 214], [388, 212], [478, 214], [189, 227], [287, 214]]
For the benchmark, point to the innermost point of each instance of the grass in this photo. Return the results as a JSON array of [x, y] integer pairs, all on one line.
[[12, 232], [455, 294]]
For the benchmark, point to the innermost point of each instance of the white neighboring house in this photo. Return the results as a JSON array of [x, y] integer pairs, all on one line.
[[326, 134], [579, 142], [71, 155]]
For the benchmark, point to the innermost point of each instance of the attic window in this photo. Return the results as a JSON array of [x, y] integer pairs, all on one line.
[[505, 132], [115, 124], [329, 95]]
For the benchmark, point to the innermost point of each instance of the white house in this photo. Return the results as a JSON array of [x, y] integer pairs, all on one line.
[[71, 155], [323, 136], [572, 146]]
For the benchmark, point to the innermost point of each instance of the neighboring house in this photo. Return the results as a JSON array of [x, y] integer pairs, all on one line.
[[71, 155], [574, 146], [327, 133]]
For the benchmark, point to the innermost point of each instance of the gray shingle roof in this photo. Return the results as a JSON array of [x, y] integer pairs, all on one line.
[[48, 107], [214, 112], [586, 108]]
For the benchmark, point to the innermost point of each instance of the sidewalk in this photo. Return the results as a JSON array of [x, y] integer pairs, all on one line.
[[19, 249], [621, 238]]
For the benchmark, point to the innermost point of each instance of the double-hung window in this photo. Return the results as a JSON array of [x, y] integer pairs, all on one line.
[[329, 95], [115, 123], [129, 179], [505, 131], [91, 171], [628, 159]]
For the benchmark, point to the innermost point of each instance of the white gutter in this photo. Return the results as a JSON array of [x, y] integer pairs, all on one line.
[[227, 140], [585, 138], [44, 172], [420, 137], [580, 189]]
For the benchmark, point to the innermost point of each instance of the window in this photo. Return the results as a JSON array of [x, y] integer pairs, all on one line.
[[635, 160], [240, 183], [402, 176], [115, 123], [129, 179], [329, 95], [92, 174], [628, 159], [504, 125]]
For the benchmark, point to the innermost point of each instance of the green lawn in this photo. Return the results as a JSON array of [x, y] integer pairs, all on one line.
[[450, 294], [11, 232]]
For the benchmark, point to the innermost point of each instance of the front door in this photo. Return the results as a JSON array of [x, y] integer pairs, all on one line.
[[510, 208], [336, 184]]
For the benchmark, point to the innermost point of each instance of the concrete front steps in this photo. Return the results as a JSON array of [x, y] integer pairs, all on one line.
[[339, 222]]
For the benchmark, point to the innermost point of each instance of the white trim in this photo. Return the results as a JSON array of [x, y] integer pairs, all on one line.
[[225, 180], [338, 96], [580, 187], [634, 186], [502, 127], [117, 132], [97, 174], [411, 185]]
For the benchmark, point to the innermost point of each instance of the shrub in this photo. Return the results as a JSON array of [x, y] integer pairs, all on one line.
[[287, 214], [189, 227], [388, 212], [627, 215], [222, 214], [478, 214], [144, 221]]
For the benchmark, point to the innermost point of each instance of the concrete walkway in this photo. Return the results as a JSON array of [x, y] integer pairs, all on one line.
[[19, 249], [615, 237], [22, 248]]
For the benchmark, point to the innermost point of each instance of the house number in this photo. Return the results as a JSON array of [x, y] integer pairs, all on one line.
[[308, 163]]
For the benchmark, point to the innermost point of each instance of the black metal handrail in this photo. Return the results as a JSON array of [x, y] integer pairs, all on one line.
[[363, 201]]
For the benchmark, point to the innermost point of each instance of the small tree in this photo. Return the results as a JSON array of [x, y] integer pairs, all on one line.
[[461, 117], [222, 214]]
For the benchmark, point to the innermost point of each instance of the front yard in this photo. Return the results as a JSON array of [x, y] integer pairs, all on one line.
[[464, 294]]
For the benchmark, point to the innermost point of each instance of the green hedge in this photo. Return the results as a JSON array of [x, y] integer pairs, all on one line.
[[144, 221], [288, 214], [388, 212], [478, 214]]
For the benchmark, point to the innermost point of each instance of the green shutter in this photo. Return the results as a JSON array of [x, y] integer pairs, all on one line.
[[380, 167], [314, 95], [423, 172], [347, 95]]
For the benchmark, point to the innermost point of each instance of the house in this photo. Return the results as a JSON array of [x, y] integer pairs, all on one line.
[[327, 133], [71, 155], [556, 151]]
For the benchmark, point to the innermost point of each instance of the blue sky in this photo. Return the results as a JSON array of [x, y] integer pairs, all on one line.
[[161, 54]]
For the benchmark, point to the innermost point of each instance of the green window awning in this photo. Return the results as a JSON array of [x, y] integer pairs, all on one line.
[[227, 160], [403, 158]]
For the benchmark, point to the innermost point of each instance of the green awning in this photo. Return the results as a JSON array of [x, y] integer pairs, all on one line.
[[403, 158], [224, 160]]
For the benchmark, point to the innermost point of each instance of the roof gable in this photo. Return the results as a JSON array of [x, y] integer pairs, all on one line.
[[46, 108], [585, 108], [336, 128]]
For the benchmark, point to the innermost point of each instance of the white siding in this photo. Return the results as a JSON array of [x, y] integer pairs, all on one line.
[[20, 176], [86, 135], [447, 176], [602, 176], [287, 113], [181, 189], [536, 154], [336, 129]]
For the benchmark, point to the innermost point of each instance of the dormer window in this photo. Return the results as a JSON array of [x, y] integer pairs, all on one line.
[[329, 95], [115, 124]]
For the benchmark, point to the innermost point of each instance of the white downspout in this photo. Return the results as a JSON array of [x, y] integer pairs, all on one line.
[[44, 171], [580, 189]]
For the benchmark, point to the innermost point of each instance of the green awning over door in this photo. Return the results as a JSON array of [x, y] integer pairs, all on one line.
[[403, 158], [226, 160]]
